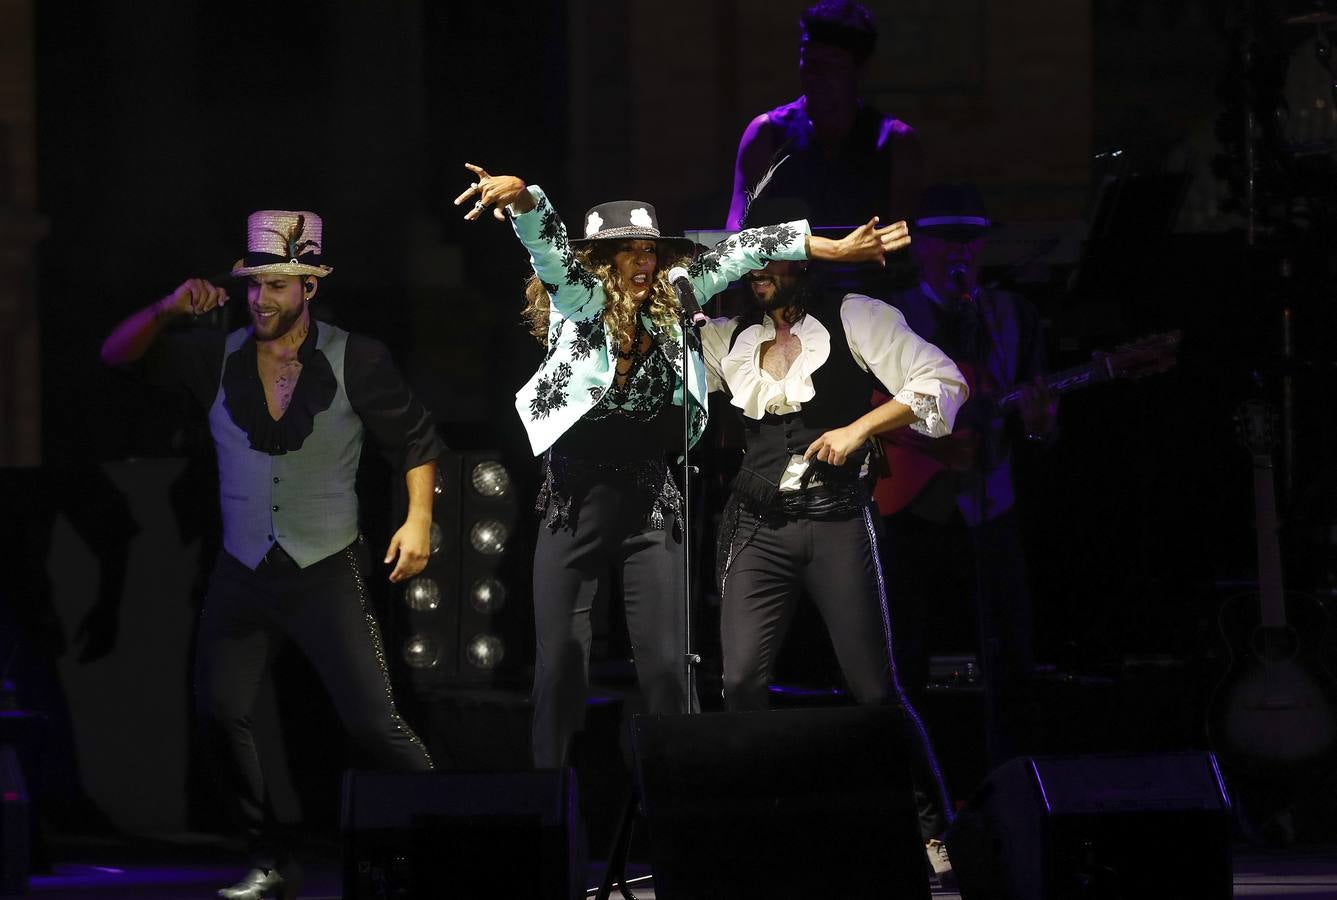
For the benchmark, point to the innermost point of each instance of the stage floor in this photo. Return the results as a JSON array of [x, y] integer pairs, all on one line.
[[196, 871]]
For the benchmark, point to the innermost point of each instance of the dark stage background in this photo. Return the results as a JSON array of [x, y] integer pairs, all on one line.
[[159, 125]]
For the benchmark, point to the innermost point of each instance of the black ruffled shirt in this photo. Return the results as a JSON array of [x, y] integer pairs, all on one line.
[[193, 362]]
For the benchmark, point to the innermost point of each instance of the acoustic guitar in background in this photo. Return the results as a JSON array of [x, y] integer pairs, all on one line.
[[1274, 714], [913, 459]]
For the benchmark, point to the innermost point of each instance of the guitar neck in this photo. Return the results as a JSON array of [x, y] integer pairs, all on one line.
[[1065, 381], [1270, 590]]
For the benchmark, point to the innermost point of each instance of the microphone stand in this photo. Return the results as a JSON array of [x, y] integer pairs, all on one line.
[[691, 659], [616, 872]]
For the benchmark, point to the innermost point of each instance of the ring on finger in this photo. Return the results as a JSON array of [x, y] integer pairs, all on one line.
[[480, 205]]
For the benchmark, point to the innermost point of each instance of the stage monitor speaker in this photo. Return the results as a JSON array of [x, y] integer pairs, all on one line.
[[1108, 827], [462, 835], [780, 804]]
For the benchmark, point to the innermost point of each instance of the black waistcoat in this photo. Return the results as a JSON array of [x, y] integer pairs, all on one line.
[[843, 393]]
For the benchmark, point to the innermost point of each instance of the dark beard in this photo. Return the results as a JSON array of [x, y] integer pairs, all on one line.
[[276, 327], [793, 298]]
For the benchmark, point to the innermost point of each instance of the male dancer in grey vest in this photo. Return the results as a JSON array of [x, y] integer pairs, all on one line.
[[801, 375], [289, 402]]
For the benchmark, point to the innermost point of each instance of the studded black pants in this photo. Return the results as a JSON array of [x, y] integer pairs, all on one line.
[[770, 563], [324, 609]]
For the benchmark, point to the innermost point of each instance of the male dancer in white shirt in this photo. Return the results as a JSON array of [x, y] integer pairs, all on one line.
[[801, 373]]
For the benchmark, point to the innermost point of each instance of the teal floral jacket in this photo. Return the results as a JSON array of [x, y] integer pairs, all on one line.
[[579, 366]]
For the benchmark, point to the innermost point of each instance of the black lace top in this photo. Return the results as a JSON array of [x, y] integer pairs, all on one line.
[[624, 437], [635, 418], [643, 394]]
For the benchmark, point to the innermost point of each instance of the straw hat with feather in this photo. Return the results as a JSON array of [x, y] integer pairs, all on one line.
[[283, 242]]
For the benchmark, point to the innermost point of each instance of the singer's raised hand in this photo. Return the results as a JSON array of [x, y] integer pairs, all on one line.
[[194, 297], [867, 243], [495, 192], [895, 236]]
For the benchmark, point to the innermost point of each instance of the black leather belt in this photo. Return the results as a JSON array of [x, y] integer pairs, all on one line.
[[823, 502]]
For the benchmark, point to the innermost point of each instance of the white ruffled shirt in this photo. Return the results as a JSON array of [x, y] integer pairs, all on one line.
[[914, 371]]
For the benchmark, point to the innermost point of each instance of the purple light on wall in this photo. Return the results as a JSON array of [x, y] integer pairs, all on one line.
[[1035, 771], [1220, 781], [790, 690], [86, 876]]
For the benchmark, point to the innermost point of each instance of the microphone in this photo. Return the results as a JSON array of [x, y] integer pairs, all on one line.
[[958, 273], [691, 310]]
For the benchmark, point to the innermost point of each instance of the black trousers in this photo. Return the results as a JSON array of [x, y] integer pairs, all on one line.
[[770, 562], [932, 569], [607, 531], [323, 608]]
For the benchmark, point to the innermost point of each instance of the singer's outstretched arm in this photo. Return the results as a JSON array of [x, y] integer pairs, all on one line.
[[752, 248], [867, 243], [571, 288], [735, 256]]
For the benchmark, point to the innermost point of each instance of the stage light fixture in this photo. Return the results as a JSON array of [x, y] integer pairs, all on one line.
[[489, 536], [487, 595], [485, 651], [490, 479], [459, 621], [421, 652], [423, 594]]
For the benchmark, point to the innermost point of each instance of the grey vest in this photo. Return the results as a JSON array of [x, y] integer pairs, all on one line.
[[303, 500]]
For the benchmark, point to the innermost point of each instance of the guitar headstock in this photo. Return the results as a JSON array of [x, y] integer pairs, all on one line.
[[1145, 356], [1256, 427]]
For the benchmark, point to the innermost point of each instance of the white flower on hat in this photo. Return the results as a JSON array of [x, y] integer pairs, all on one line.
[[593, 224], [641, 216]]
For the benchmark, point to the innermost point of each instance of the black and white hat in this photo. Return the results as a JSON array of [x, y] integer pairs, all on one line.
[[626, 220]]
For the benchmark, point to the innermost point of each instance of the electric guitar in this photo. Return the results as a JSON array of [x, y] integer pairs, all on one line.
[[1274, 714], [914, 459]]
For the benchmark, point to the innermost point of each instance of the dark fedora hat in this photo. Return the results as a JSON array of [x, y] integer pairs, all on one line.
[[622, 220], [953, 212]]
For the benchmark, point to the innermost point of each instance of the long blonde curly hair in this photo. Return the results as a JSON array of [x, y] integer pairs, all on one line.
[[620, 308]]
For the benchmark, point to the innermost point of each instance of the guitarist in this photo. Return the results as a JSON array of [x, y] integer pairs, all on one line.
[[951, 500]]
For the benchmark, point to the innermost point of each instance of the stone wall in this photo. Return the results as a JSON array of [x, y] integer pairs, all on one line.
[[1001, 94]]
